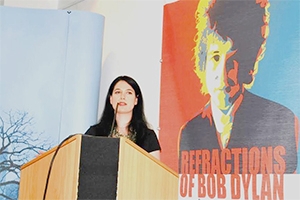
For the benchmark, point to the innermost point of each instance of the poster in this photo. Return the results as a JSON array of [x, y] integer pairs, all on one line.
[[229, 115]]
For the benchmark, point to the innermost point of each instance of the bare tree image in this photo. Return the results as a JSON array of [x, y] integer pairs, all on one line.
[[18, 145]]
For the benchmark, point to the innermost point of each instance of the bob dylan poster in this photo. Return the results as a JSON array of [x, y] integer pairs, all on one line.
[[230, 80]]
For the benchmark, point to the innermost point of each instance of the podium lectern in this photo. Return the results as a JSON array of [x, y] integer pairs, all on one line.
[[89, 167]]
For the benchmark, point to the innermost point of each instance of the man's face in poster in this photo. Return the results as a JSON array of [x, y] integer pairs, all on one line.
[[217, 56], [228, 49]]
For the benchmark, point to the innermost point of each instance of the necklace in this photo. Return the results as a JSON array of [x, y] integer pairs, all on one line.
[[116, 134]]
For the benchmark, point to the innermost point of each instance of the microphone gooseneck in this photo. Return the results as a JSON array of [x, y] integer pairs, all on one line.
[[114, 120], [52, 161]]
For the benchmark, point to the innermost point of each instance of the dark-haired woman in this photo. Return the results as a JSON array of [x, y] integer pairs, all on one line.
[[125, 98]]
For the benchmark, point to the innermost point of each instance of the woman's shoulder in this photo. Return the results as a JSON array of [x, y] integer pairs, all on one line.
[[151, 136], [149, 132], [91, 130], [95, 130], [150, 141]]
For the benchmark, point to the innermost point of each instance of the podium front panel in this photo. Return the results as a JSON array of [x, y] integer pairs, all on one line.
[[98, 169]]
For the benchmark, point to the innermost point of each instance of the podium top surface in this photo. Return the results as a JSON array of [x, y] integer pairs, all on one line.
[[78, 137]]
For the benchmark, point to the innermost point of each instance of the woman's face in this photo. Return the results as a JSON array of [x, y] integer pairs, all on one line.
[[125, 96]]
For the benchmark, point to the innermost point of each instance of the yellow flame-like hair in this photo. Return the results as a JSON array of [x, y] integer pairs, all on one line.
[[204, 29]]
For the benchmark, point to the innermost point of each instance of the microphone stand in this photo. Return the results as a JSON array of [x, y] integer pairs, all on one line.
[[114, 120]]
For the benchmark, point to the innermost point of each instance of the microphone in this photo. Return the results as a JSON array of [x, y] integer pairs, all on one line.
[[114, 120]]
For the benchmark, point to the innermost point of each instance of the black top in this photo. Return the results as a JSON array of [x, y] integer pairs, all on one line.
[[148, 142]]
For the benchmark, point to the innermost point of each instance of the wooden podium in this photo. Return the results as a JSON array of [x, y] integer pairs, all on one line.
[[89, 167]]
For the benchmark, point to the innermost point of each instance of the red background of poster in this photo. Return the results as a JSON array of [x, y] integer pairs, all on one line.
[[180, 97]]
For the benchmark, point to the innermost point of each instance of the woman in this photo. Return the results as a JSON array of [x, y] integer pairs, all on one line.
[[123, 116]]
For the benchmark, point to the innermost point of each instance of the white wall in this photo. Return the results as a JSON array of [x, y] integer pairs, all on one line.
[[44, 4], [132, 46], [132, 42]]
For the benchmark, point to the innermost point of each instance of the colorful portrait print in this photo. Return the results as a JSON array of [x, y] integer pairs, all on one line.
[[236, 132]]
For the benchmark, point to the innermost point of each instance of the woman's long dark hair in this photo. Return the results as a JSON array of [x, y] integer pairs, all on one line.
[[138, 122]]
